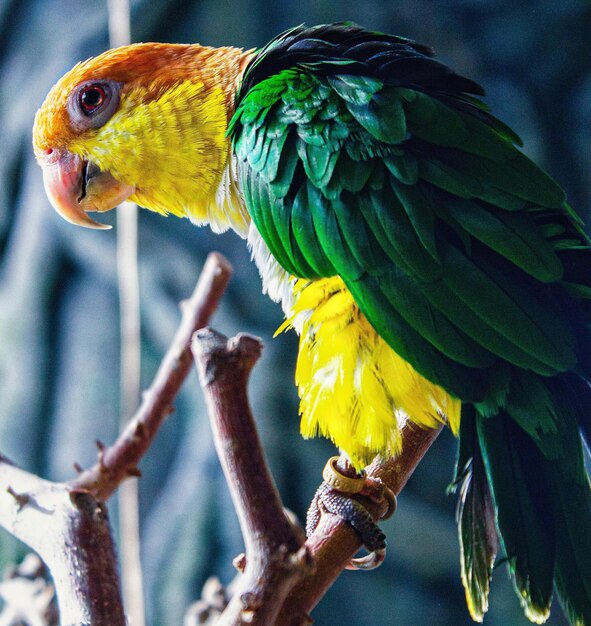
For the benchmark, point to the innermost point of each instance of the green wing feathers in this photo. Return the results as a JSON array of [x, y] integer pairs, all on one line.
[[462, 219], [361, 156]]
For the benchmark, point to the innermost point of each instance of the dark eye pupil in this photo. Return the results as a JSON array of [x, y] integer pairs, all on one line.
[[92, 98]]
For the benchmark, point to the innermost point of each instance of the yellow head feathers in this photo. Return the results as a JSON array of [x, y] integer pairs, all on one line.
[[145, 122]]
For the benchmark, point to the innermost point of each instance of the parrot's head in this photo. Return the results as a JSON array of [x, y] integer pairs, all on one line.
[[147, 123]]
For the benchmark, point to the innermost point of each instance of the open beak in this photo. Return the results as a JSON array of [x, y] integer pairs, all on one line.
[[75, 187]]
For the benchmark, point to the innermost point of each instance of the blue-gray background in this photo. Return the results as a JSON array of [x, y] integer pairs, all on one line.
[[59, 338]]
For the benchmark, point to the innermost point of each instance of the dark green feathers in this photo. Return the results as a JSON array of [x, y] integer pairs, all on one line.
[[387, 185], [362, 156]]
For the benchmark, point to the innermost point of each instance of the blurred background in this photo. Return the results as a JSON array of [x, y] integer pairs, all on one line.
[[59, 326]]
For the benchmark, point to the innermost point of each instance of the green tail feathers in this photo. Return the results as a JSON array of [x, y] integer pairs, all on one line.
[[517, 475], [571, 492], [476, 519], [533, 485]]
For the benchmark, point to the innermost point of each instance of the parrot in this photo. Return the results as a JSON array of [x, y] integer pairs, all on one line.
[[434, 273]]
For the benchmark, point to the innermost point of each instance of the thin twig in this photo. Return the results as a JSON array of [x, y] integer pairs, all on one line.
[[119, 22], [120, 460], [275, 559], [129, 306]]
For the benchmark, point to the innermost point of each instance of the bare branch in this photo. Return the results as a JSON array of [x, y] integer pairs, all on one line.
[[120, 460], [282, 577], [275, 559], [334, 542], [67, 524], [70, 531], [28, 598], [224, 367]]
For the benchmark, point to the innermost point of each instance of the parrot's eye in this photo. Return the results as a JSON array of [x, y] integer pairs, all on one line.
[[92, 98], [93, 103]]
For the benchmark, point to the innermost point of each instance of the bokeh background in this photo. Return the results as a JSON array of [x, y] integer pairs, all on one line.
[[59, 326]]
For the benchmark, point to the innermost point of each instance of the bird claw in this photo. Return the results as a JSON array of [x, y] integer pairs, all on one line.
[[377, 491], [368, 562], [336, 495]]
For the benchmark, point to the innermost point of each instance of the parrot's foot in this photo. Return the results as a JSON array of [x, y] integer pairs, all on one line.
[[336, 495]]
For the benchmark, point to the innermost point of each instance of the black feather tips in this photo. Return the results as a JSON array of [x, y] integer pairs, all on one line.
[[347, 48]]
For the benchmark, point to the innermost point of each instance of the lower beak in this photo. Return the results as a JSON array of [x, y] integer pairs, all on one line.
[[75, 187]]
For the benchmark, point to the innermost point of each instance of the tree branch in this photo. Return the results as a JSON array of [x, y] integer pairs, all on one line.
[[282, 578], [279, 585], [70, 531], [334, 542], [275, 559], [120, 460], [66, 523]]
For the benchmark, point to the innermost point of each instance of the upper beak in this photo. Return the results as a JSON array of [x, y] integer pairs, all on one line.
[[75, 186]]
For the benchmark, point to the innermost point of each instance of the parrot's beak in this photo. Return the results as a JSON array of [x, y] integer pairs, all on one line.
[[75, 187]]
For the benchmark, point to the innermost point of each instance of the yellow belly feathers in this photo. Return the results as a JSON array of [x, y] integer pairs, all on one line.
[[354, 388]]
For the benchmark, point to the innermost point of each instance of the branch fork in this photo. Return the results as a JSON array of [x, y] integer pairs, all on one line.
[[282, 576], [67, 523]]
